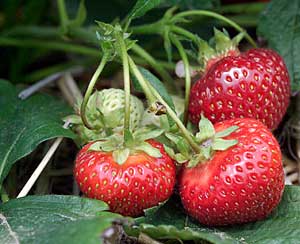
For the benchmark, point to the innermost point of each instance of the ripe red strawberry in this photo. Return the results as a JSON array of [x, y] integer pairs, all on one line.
[[241, 184], [254, 84], [141, 182]]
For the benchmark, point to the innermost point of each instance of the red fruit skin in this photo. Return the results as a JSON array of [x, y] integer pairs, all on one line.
[[254, 84], [242, 184], [140, 183]]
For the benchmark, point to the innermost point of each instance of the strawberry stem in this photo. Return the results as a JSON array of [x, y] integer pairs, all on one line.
[[148, 29], [185, 33], [185, 60], [150, 97], [90, 90], [126, 74], [216, 16], [64, 19], [150, 91]]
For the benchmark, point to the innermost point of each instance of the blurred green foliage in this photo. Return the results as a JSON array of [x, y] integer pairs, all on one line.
[[32, 43]]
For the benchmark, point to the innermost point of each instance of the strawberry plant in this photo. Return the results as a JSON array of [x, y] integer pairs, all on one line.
[[148, 157]]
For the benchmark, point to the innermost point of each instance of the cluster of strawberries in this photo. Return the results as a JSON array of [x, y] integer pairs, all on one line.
[[243, 182]]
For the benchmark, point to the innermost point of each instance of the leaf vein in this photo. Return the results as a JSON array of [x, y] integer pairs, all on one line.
[[10, 149], [3, 221]]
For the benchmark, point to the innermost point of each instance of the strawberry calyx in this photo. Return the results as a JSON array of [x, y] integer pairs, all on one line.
[[209, 141], [223, 47], [107, 36], [121, 147]]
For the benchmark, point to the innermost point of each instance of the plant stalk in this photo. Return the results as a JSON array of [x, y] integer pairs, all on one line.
[[126, 74], [52, 45], [216, 16], [148, 89], [64, 19], [67, 47], [147, 28], [90, 90], [32, 31], [245, 8], [150, 97], [186, 33], [185, 61]]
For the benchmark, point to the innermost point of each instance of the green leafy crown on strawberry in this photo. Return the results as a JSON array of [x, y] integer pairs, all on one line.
[[122, 147], [223, 46], [207, 138]]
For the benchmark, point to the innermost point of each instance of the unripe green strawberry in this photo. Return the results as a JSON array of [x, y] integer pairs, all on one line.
[[105, 113]]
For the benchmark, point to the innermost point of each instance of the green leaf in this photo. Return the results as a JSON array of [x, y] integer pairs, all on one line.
[[147, 133], [175, 138], [150, 150], [180, 158], [141, 7], [106, 146], [226, 132], [54, 219], [195, 160], [152, 210], [192, 4], [26, 123], [280, 25], [128, 137], [105, 31], [223, 42], [282, 226], [206, 130], [157, 84], [169, 151], [180, 143], [165, 122], [221, 144], [206, 152], [121, 155], [171, 222], [184, 147]]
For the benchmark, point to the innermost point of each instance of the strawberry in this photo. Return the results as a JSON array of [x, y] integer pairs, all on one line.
[[254, 84], [141, 181], [105, 112], [240, 184]]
